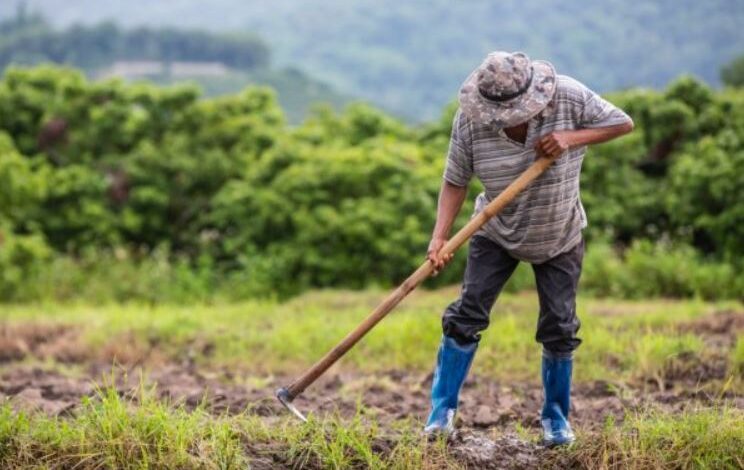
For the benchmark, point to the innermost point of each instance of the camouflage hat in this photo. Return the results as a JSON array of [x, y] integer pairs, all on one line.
[[507, 89]]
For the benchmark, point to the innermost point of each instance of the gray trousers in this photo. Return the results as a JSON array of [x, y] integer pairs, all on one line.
[[489, 267]]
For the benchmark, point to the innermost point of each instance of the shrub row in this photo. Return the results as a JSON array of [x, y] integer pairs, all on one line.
[[107, 179]]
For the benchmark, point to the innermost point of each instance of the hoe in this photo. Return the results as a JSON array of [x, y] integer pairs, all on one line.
[[286, 395]]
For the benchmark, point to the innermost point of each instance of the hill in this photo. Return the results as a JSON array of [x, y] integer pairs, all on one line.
[[219, 62], [409, 57]]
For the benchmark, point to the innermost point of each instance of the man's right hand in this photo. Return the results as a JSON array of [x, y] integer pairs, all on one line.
[[432, 254]]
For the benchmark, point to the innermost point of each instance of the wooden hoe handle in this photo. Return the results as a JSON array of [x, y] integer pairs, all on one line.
[[287, 394]]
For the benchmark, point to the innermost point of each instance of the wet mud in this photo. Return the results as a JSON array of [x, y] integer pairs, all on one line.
[[491, 411]]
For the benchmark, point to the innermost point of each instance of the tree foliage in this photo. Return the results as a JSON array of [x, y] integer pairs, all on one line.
[[732, 74], [114, 170], [28, 39]]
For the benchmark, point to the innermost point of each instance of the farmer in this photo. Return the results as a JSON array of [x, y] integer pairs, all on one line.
[[512, 111]]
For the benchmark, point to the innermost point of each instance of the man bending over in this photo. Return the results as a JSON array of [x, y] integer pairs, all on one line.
[[512, 111]]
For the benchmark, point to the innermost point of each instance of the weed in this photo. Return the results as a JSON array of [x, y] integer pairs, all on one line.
[[710, 438], [622, 341]]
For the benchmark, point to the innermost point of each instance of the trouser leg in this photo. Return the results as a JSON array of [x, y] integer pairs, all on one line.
[[557, 281], [488, 268]]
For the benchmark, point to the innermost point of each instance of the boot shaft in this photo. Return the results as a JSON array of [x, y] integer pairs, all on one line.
[[453, 363], [556, 377]]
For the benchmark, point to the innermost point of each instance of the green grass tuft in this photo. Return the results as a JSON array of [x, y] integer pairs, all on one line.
[[737, 357], [699, 439], [622, 340], [109, 431]]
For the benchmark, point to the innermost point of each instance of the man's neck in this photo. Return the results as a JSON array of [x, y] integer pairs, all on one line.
[[517, 133]]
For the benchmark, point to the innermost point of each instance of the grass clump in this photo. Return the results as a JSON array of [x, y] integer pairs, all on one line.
[[622, 340], [737, 357], [360, 443], [108, 431], [656, 353], [710, 438]]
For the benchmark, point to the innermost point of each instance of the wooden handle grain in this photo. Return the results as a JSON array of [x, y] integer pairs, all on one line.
[[418, 276]]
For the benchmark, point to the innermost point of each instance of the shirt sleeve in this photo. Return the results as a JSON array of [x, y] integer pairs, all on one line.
[[459, 167], [598, 112]]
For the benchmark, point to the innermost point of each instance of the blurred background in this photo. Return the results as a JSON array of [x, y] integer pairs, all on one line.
[[405, 57], [172, 151]]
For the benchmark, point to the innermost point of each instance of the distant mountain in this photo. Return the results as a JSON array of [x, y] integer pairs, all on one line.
[[410, 56], [297, 92], [219, 63]]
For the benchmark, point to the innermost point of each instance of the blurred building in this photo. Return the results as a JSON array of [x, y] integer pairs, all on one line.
[[198, 69], [137, 69]]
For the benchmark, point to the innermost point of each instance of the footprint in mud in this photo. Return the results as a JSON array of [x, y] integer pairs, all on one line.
[[506, 451]]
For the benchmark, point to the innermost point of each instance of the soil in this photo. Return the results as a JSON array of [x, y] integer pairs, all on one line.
[[485, 403], [720, 329], [490, 410]]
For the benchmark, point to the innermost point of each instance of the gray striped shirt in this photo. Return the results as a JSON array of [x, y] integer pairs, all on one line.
[[546, 219]]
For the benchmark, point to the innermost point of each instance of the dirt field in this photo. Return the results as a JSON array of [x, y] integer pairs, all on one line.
[[490, 410], [49, 368]]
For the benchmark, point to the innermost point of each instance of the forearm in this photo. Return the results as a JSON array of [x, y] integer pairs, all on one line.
[[582, 137], [554, 144], [451, 198]]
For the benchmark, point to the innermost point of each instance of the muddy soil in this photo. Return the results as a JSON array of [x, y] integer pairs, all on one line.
[[719, 329], [490, 410], [485, 403]]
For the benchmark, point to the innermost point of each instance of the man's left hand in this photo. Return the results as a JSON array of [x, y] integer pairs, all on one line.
[[554, 144]]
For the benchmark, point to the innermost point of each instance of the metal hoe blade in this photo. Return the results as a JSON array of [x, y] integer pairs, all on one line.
[[286, 399]]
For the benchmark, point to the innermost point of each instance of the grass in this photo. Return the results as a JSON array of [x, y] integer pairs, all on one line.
[[701, 439], [622, 341], [110, 432], [737, 357]]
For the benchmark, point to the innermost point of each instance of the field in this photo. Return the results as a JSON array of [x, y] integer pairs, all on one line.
[[658, 384], [166, 252]]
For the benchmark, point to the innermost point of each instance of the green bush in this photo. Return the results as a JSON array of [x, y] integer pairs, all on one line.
[[705, 194], [23, 258], [155, 277], [649, 269], [732, 74], [113, 192], [23, 185], [343, 215]]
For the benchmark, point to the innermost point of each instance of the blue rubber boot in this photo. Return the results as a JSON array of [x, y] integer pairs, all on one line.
[[556, 376], [453, 363]]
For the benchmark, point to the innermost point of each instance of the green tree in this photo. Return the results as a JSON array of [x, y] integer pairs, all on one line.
[[23, 250], [706, 185], [29, 39], [23, 185], [732, 74], [225, 187]]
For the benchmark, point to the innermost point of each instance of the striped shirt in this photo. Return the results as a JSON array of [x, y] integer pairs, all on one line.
[[546, 219]]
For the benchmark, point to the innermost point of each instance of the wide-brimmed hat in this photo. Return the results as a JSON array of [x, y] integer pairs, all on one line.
[[507, 89]]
